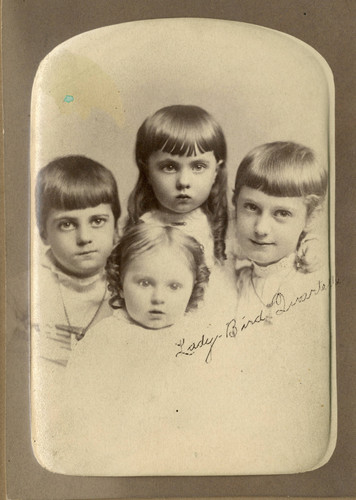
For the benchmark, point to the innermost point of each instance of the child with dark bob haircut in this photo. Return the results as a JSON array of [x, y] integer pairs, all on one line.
[[77, 209]]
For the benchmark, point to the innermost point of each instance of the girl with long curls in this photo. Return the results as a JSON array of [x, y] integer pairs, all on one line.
[[181, 155]]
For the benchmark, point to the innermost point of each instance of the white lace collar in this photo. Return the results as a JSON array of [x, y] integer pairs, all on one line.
[[175, 218], [48, 261], [281, 268]]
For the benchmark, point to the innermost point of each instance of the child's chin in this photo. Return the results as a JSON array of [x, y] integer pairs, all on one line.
[[266, 262], [261, 259], [79, 272], [157, 327], [153, 325], [88, 273]]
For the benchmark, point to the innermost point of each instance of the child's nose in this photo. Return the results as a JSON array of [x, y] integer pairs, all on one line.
[[84, 235], [262, 225], [183, 179], [157, 295]]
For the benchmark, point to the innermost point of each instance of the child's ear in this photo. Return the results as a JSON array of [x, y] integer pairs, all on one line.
[[219, 163]]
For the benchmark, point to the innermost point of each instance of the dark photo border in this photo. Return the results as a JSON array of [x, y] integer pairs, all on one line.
[[31, 29]]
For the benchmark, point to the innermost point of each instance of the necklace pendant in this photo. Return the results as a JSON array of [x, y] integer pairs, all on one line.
[[78, 331], [72, 330], [179, 223]]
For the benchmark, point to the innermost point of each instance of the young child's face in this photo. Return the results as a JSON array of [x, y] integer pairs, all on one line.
[[157, 286], [81, 240], [182, 183], [268, 227]]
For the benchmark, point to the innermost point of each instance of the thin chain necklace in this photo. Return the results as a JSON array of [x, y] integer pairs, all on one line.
[[269, 304], [268, 318], [258, 296], [77, 330]]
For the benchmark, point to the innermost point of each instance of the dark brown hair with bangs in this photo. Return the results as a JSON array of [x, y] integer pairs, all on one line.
[[182, 130], [74, 182]]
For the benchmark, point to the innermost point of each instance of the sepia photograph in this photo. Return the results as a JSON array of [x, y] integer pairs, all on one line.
[[178, 249], [182, 264]]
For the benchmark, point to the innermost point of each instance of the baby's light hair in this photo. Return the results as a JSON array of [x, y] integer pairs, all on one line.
[[143, 238], [74, 182], [182, 130], [285, 169]]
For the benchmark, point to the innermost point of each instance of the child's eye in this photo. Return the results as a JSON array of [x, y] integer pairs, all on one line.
[[282, 214], [251, 207], [98, 222], [66, 225], [144, 283], [175, 286], [168, 168], [199, 167]]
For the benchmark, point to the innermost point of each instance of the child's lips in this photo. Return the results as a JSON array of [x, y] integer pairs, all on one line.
[[156, 312], [183, 197], [261, 243], [87, 252]]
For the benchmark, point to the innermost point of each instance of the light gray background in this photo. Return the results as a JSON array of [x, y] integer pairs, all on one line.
[[260, 85], [31, 30]]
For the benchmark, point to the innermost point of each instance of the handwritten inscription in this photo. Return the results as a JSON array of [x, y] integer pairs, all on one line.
[[279, 298], [194, 346], [233, 328]]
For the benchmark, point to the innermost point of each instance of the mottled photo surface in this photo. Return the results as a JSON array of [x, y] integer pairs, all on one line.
[[182, 266]]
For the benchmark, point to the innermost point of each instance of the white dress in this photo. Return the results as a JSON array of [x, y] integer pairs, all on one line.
[[267, 293], [57, 297], [194, 224], [131, 392], [192, 399], [53, 294]]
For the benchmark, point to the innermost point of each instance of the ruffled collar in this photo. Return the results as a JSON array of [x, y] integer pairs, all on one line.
[[280, 268], [48, 262], [175, 219]]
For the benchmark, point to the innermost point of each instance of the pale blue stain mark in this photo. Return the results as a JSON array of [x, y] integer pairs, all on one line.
[[68, 98]]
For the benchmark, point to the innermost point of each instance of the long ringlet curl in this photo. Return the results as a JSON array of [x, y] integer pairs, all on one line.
[[182, 130], [142, 238], [285, 169]]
